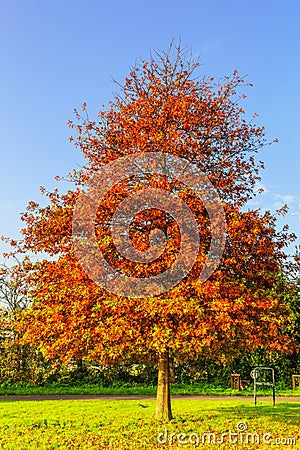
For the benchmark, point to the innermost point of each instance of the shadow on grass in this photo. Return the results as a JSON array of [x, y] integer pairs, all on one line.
[[289, 413]]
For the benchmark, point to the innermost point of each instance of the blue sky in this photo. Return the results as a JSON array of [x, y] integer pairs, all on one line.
[[55, 55]]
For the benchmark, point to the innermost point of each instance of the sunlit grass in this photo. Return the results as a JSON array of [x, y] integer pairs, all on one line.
[[95, 424]]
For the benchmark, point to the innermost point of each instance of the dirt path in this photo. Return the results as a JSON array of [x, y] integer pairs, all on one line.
[[17, 398]]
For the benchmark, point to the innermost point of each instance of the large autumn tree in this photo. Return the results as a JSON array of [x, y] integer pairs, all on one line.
[[79, 309]]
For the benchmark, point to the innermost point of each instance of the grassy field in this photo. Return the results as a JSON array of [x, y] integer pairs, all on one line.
[[96, 424], [130, 389]]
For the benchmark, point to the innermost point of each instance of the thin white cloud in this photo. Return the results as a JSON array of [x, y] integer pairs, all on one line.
[[261, 188], [7, 204], [214, 45], [210, 47], [285, 198]]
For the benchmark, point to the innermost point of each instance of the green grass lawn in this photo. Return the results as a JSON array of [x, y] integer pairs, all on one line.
[[96, 424], [130, 389]]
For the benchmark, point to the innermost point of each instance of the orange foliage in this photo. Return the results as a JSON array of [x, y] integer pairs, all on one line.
[[161, 109]]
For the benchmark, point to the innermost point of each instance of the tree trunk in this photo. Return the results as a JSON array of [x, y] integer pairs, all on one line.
[[163, 399], [172, 378]]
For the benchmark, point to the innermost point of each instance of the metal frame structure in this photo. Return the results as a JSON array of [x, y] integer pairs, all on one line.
[[255, 374]]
